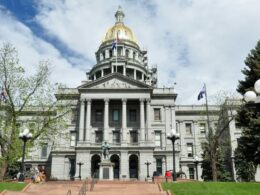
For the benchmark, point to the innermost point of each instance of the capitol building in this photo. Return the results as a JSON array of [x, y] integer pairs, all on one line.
[[120, 103]]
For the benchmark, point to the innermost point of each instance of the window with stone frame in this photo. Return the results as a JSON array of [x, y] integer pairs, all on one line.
[[133, 137], [98, 136], [132, 115], [191, 172], [72, 139], [115, 115], [190, 149], [32, 127], [158, 138], [99, 115], [157, 114], [188, 128], [116, 137], [202, 127], [44, 148]]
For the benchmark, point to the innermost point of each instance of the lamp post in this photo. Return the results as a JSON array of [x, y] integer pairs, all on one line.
[[24, 136], [196, 160], [251, 96], [173, 136], [147, 163], [80, 164]]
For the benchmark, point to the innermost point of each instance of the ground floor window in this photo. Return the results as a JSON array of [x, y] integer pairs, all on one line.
[[99, 137], [191, 172], [116, 137], [159, 166], [133, 137]]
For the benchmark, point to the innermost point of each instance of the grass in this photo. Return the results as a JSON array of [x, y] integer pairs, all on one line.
[[213, 188], [14, 186]]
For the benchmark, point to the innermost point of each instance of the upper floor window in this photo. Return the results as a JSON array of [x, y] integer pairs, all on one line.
[[72, 139], [158, 138], [127, 53], [115, 115], [44, 150], [99, 136], [157, 114], [132, 115], [202, 128], [99, 116], [116, 137], [32, 127], [188, 128], [133, 137], [110, 53], [190, 149]]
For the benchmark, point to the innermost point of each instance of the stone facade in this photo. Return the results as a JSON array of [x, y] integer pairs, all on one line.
[[120, 103]]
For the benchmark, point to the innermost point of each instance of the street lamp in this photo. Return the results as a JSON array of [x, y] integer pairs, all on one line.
[[196, 160], [251, 96], [173, 136], [24, 136], [80, 164], [147, 163]]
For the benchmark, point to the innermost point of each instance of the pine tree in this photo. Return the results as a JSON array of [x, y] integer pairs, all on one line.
[[247, 154]]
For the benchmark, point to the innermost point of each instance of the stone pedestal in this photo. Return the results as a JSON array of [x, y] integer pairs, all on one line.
[[106, 170]]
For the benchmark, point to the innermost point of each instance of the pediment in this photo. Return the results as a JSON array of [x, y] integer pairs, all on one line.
[[115, 81]]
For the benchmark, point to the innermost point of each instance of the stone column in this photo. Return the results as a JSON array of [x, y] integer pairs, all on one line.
[[81, 120], [173, 119], [124, 70], [112, 68], [142, 76], [106, 119], [142, 128], [124, 120], [135, 74], [148, 120], [102, 72], [94, 76], [88, 120]]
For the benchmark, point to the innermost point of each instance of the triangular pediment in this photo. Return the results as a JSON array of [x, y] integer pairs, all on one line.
[[115, 81]]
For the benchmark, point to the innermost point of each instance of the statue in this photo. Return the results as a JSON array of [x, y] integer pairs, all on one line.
[[105, 150]]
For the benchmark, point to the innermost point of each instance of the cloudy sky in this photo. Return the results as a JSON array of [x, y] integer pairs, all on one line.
[[191, 41]]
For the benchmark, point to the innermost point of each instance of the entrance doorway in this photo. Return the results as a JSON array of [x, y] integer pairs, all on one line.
[[115, 159], [94, 165], [133, 166]]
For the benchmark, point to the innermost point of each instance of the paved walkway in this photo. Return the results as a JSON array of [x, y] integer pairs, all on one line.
[[101, 188]]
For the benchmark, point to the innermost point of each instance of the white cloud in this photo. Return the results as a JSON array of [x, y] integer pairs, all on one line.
[[214, 36], [32, 49]]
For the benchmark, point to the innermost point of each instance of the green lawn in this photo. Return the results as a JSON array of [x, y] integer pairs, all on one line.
[[14, 186], [213, 188]]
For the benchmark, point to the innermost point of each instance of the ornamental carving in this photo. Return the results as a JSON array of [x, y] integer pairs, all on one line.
[[114, 84]]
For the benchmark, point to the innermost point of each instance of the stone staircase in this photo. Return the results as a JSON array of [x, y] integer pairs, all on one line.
[[100, 188]]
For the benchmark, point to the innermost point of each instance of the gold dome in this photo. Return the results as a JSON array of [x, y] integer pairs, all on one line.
[[124, 33]]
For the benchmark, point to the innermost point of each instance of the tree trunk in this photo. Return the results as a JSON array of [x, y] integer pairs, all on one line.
[[214, 166], [3, 169]]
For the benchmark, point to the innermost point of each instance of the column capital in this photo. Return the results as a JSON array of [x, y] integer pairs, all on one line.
[[148, 100], [88, 100], [124, 100], [82, 101], [142, 100], [106, 100]]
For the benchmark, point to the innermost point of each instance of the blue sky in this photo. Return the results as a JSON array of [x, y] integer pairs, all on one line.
[[191, 41]]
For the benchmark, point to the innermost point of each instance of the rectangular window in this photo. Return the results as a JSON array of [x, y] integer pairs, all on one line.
[[44, 150], [133, 137], [158, 138], [72, 139], [32, 127], [115, 115], [99, 136], [99, 116], [191, 172], [132, 115], [157, 114], [159, 165], [116, 137], [202, 128], [188, 128], [190, 149]]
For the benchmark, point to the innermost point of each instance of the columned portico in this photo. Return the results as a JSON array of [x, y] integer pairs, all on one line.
[[88, 119], [142, 127], [106, 119], [81, 120], [148, 120], [124, 120]]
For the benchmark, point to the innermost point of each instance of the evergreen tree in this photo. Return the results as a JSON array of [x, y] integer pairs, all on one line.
[[247, 154]]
